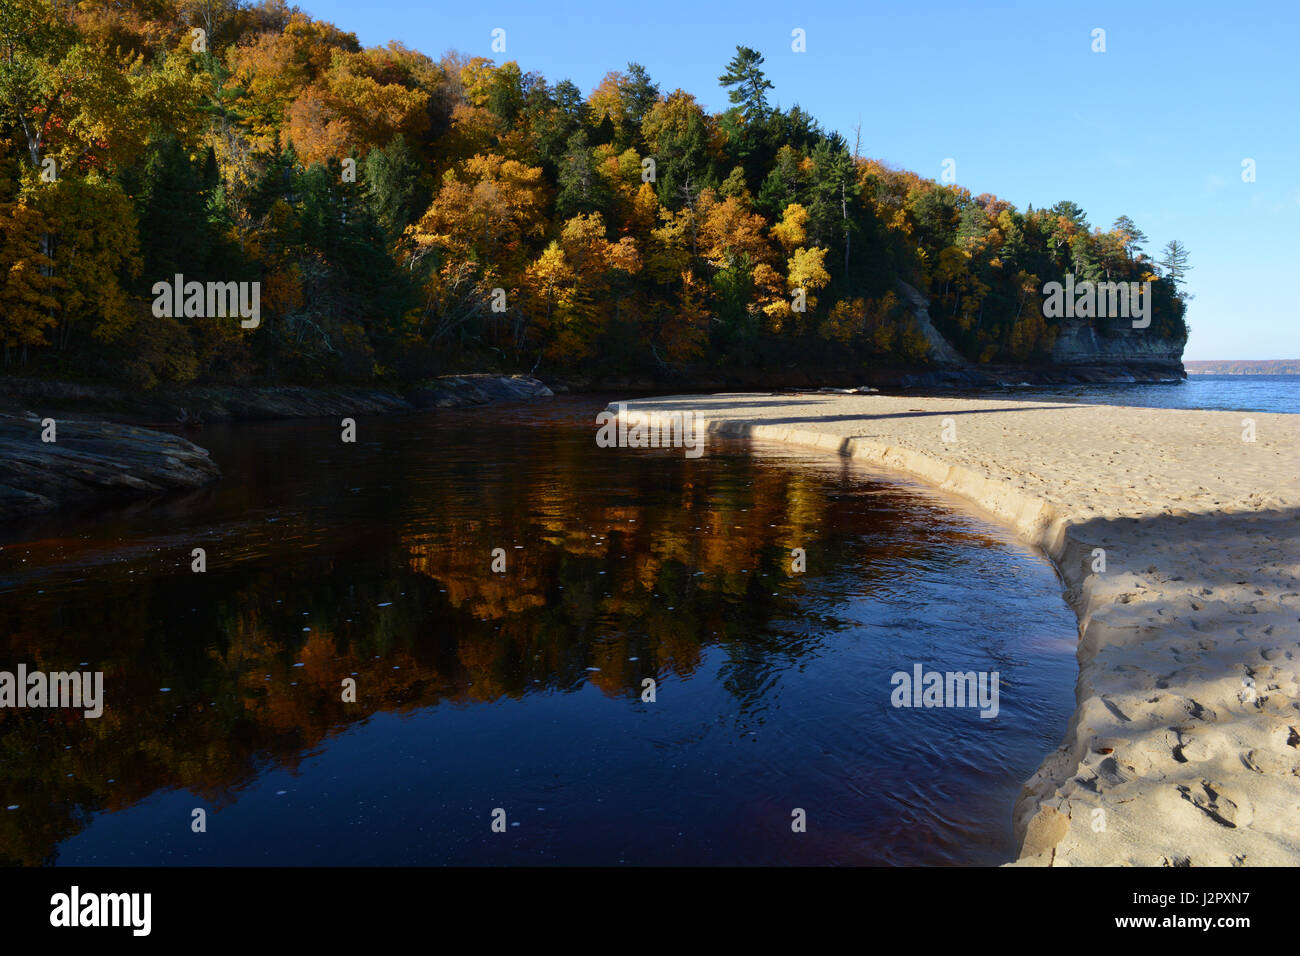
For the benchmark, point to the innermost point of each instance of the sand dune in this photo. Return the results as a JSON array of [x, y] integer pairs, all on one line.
[[1184, 747]]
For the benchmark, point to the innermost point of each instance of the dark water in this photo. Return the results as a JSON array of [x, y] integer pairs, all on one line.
[[1246, 393], [522, 690]]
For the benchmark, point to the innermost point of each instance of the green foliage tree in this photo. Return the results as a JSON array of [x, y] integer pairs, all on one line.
[[394, 186], [1173, 260], [746, 84]]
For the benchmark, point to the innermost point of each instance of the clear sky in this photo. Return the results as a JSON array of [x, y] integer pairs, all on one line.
[[1156, 127]]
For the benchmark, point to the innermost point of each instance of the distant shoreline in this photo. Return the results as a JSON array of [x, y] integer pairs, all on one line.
[[1242, 367]]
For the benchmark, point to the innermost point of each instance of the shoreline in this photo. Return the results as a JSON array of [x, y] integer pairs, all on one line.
[[262, 401], [107, 447], [1184, 746], [942, 377], [234, 403], [88, 462]]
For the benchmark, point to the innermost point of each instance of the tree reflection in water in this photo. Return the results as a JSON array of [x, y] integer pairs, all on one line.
[[374, 561]]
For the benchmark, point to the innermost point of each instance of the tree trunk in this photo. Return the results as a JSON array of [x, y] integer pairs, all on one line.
[[844, 214]]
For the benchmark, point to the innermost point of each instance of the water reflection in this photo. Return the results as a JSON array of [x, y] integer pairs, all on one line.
[[375, 562]]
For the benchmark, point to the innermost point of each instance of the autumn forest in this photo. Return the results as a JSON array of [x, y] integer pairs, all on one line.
[[408, 216]]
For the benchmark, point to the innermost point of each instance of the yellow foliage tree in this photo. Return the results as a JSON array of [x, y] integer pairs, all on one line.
[[791, 231], [805, 274], [27, 282], [93, 242], [729, 231]]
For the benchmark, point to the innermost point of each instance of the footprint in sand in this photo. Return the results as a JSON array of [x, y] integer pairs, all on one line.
[[1136, 759], [1270, 762], [1175, 709], [1211, 800], [1189, 748]]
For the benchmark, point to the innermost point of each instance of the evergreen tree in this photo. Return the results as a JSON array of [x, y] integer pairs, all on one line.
[[1133, 237], [747, 86], [637, 94], [1173, 261], [393, 186], [581, 187], [173, 197], [785, 183]]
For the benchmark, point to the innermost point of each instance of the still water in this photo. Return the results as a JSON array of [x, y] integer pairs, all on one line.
[[1245, 393], [522, 690]]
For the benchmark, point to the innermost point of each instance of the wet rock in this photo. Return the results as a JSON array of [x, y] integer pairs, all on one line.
[[91, 461], [94, 461], [237, 403], [459, 391]]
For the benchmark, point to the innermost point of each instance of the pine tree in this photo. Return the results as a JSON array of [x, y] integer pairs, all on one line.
[[749, 85], [581, 187], [1133, 237], [392, 186], [172, 203], [1174, 261]]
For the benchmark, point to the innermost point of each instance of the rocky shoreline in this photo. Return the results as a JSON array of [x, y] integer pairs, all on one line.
[[232, 403], [90, 461], [903, 380], [101, 461]]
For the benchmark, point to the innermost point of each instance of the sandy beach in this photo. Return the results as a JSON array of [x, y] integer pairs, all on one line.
[[1184, 747]]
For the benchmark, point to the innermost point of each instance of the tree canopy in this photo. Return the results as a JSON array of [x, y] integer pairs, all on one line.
[[407, 216]]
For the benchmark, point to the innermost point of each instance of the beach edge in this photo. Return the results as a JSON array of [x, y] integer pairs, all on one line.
[[1048, 825]]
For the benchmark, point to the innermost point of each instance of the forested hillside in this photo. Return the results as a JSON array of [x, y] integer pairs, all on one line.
[[407, 216], [1245, 367]]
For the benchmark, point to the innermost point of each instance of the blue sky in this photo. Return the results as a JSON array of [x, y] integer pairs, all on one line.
[[1156, 127]]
